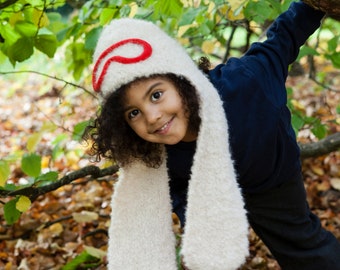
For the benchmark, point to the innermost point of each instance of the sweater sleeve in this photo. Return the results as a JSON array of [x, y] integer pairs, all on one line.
[[285, 36]]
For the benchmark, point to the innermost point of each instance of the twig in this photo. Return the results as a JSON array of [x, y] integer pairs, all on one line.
[[51, 77], [324, 85], [228, 45], [97, 231], [50, 223]]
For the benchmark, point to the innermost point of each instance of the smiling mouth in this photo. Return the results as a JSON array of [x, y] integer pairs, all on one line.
[[164, 129]]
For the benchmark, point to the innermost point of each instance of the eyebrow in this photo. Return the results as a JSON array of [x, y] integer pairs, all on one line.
[[147, 93], [151, 89]]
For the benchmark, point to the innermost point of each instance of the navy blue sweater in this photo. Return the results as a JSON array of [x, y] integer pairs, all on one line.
[[252, 87]]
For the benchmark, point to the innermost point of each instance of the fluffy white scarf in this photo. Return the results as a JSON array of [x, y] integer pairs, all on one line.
[[140, 234]]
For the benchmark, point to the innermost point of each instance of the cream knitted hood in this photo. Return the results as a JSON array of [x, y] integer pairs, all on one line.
[[140, 234]]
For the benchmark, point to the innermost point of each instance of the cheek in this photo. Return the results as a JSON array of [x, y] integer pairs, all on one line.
[[185, 111], [179, 106], [137, 128]]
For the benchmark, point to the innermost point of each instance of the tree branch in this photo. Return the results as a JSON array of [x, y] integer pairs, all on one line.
[[7, 3], [34, 192], [322, 147], [329, 144], [331, 7]]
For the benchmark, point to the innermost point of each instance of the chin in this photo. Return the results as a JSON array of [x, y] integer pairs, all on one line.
[[172, 142]]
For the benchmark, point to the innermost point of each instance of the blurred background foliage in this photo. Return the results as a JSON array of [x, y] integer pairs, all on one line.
[[217, 28]]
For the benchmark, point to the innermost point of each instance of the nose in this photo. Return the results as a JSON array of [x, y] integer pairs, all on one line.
[[152, 115]]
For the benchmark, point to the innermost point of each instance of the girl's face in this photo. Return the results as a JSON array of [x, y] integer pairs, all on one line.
[[154, 110]]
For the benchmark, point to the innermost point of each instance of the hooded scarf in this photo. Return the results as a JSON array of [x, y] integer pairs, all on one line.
[[140, 233]]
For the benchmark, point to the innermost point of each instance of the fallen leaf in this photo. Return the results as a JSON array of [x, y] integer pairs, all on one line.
[[335, 183], [323, 186], [317, 170], [95, 252], [56, 229], [85, 216]]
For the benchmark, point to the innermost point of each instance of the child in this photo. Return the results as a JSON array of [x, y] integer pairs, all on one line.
[[164, 122]]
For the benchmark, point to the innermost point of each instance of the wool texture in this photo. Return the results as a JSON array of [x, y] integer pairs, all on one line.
[[140, 234]]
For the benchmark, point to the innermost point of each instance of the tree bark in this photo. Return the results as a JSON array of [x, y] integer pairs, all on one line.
[[331, 7], [329, 144]]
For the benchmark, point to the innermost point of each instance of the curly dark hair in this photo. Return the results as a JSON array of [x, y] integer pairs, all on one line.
[[114, 139]]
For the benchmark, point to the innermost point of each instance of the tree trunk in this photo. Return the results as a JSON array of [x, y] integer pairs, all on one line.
[[331, 7]]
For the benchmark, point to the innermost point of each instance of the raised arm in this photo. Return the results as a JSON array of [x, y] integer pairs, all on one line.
[[285, 37]]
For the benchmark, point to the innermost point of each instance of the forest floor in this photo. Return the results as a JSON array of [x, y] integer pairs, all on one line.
[[62, 224]]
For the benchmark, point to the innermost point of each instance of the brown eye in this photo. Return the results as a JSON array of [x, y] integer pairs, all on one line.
[[156, 96], [133, 114]]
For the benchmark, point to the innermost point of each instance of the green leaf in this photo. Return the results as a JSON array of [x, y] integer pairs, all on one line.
[[78, 51], [11, 187], [305, 50], [48, 126], [276, 6], [116, 2], [21, 50], [11, 213], [92, 38], [26, 29], [46, 44], [39, 18], [78, 69], [35, 2], [189, 16], [335, 58], [79, 129], [46, 178], [259, 11], [59, 139], [83, 257], [8, 34], [319, 130], [56, 22], [4, 172], [124, 11], [33, 141], [178, 256], [57, 143], [31, 164], [297, 123], [205, 28], [173, 8], [333, 44], [106, 15]]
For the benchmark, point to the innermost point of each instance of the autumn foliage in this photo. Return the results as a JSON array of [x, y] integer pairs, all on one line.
[[54, 202]]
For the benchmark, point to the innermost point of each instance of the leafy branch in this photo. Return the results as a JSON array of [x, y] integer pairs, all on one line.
[[34, 192]]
